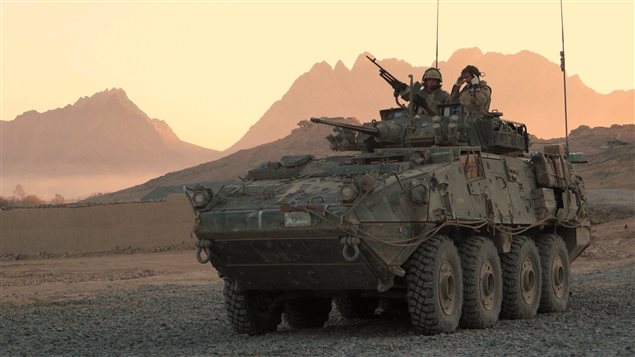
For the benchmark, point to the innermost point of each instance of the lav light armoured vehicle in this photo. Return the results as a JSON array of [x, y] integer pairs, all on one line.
[[446, 219]]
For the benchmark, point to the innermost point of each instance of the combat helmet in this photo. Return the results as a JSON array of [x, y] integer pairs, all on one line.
[[432, 73]]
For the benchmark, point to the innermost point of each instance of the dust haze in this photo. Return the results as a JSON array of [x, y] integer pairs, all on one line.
[[73, 188]]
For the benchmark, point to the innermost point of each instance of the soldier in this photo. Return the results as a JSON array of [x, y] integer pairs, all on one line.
[[476, 96], [431, 95]]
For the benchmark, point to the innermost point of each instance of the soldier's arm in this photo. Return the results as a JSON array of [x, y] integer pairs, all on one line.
[[482, 97], [454, 96]]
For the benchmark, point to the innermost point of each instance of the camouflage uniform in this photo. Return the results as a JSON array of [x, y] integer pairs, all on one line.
[[427, 99], [433, 99], [474, 99]]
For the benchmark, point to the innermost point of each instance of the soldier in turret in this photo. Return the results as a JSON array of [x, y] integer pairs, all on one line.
[[430, 96], [475, 96]]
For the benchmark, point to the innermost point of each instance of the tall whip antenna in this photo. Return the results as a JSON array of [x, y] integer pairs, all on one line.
[[564, 80], [436, 60]]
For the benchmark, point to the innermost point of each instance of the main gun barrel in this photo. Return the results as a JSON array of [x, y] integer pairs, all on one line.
[[362, 129]]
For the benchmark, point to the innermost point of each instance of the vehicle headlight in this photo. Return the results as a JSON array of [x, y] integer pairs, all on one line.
[[348, 192], [201, 198]]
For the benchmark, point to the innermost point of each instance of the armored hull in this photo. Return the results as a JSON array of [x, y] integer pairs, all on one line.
[[442, 217]]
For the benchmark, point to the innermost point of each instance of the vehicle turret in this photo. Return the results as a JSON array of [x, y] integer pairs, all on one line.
[[398, 129]]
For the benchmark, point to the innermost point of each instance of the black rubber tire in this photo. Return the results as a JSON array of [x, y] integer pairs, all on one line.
[[250, 312], [435, 286], [353, 305], [482, 282], [522, 279], [307, 312], [554, 260]]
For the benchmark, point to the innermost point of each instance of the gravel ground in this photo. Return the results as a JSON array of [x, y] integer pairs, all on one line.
[[190, 320]]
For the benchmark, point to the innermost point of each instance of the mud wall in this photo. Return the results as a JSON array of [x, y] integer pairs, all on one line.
[[100, 228]]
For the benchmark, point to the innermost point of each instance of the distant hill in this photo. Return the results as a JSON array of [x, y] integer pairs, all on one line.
[[607, 167], [105, 138], [526, 87], [307, 138], [610, 153]]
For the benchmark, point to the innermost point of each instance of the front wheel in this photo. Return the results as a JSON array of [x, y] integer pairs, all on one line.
[[435, 286], [251, 312]]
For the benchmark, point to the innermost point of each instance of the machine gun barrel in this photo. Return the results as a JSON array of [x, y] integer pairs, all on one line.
[[396, 84], [362, 129]]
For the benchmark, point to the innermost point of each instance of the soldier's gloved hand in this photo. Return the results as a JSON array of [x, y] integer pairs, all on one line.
[[459, 81]]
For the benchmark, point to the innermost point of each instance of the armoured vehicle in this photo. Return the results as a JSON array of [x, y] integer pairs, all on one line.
[[447, 220]]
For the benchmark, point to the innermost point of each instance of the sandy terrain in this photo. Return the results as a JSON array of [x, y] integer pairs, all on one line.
[[613, 245], [68, 231], [39, 280]]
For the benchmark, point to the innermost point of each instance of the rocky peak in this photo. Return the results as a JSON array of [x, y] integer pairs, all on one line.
[[165, 131]]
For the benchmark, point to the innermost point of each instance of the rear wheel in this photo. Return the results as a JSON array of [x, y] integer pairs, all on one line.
[[482, 282], [554, 260], [522, 280], [251, 312], [354, 305], [435, 286], [307, 312]]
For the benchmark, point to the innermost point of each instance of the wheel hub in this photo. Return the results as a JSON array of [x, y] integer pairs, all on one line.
[[558, 277], [487, 285], [528, 284], [447, 288]]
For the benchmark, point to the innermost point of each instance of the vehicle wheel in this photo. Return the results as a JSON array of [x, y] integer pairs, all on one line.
[[522, 280], [307, 312], [354, 305], [435, 286], [482, 282], [554, 261], [251, 312]]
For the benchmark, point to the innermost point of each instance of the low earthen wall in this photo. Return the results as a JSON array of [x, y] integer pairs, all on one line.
[[98, 228]]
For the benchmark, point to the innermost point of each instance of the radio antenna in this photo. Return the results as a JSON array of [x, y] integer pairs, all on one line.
[[436, 60], [564, 81]]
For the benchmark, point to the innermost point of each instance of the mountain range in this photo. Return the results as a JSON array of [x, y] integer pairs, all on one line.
[[527, 88], [101, 138], [105, 142]]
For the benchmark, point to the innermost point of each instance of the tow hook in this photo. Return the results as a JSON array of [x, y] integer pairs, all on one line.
[[205, 245], [350, 243]]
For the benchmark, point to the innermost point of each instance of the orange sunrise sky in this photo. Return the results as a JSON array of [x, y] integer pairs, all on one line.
[[210, 69]]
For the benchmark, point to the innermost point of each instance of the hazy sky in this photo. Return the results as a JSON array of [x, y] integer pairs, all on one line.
[[212, 68]]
